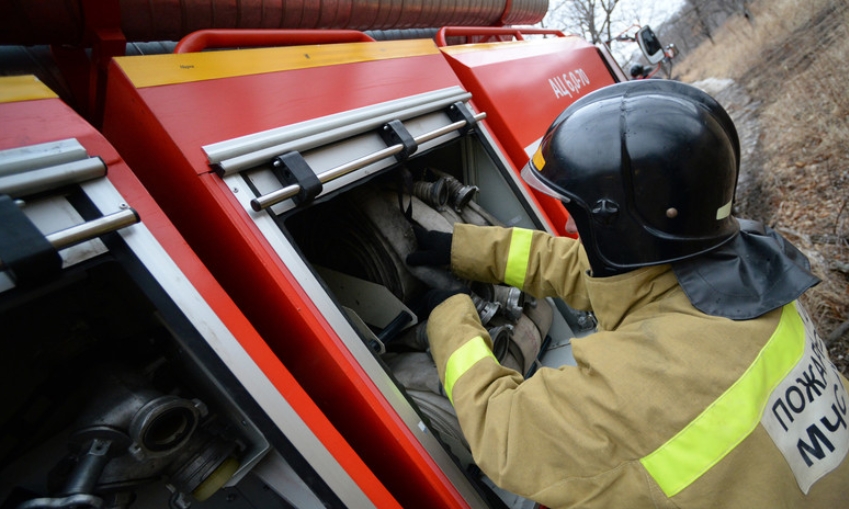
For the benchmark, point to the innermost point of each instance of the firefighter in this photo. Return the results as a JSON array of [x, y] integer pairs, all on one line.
[[706, 384]]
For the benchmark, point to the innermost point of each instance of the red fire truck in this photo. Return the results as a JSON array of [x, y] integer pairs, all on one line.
[[237, 326]]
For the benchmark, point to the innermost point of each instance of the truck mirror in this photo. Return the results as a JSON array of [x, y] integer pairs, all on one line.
[[650, 45], [671, 51]]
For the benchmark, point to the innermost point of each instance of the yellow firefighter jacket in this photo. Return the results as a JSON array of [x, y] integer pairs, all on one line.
[[667, 406]]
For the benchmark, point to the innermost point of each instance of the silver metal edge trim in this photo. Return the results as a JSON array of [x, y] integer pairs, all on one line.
[[237, 146], [21, 159], [321, 131], [17, 185], [520, 184], [225, 345]]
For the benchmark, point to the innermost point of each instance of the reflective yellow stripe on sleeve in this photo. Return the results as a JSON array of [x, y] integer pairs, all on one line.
[[733, 416], [517, 257], [461, 360]]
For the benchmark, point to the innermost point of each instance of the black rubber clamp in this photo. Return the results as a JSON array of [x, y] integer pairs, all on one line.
[[27, 254], [393, 133], [292, 168], [460, 111]]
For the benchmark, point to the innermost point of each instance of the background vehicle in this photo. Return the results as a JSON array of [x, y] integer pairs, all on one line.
[[659, 57]]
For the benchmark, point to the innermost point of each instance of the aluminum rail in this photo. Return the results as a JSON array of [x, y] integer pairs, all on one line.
[[31, 157], [29, 182], [46, 166], [263, 202], [86, 231], [237, 154]]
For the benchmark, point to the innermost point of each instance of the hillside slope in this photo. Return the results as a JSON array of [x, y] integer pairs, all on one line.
[[780, 74]]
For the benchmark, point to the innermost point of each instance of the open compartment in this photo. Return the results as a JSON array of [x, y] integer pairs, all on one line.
[[106, 397], [282, 167], [347, 241], [129, 378], [112, 395]]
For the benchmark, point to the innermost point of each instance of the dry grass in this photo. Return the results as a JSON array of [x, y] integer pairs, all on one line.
[[790, 61]]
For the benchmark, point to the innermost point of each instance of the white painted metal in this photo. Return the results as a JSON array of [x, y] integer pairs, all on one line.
[[51, 177]]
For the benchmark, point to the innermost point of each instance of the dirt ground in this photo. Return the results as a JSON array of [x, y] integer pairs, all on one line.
[[781, 76]]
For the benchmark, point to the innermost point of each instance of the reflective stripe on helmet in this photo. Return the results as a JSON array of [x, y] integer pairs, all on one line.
[[539, 160], [517, 257], [462, 360], [724, 211], [733, 416]]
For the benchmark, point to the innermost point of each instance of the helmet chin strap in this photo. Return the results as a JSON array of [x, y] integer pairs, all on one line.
[[601, 269], [581, 218]]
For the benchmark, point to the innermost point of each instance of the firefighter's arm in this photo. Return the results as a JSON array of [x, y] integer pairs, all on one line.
[[531, 260], [500, 422], [457, 340], [470, 375]]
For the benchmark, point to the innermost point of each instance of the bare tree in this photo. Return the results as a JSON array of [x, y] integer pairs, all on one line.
[[707, 15], [701, 14], [593, 19]]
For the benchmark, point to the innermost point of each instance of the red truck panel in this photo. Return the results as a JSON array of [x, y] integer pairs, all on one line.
[[523, 86], [160, 112], [31, 114]]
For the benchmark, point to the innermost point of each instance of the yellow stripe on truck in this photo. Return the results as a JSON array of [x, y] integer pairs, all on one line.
[[155, 70], [23, 88]]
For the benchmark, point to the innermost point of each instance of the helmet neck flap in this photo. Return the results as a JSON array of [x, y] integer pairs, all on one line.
[[758, 271]]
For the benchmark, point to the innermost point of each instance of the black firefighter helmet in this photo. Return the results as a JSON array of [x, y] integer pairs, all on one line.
[[647, 169]]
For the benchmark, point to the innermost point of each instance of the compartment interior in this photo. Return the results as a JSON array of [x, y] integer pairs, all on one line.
[[105, 398], [356, 239]]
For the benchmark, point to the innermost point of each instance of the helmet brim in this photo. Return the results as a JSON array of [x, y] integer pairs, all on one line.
[[531, 176]]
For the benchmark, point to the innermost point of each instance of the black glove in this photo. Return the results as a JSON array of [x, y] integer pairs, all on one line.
[[432, 298], [434, 248]]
